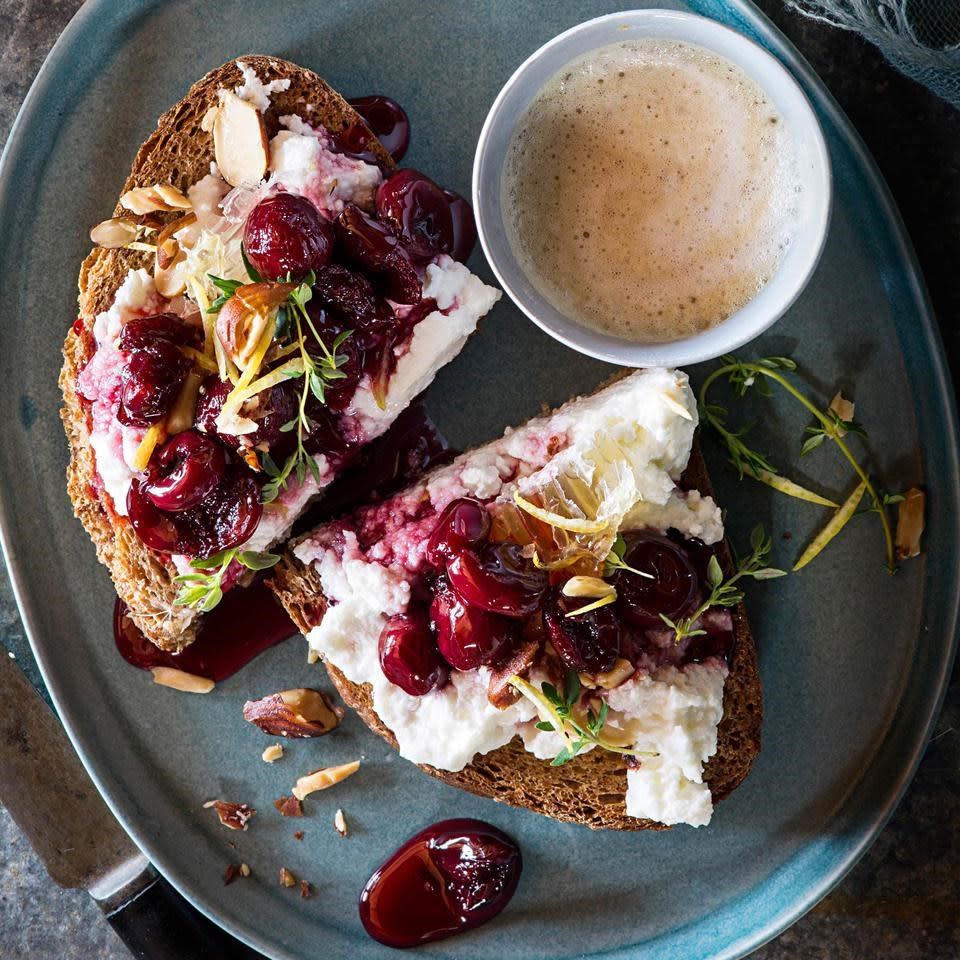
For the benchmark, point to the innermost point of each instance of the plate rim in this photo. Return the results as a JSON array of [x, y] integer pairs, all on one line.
[[752, 21]]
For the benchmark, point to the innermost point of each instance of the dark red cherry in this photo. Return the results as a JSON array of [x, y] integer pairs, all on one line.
[[469, 637], [350, 297], [588, 642], [408, 654], [464, 226], [388, 120], [156, 529], [185, 471], [446, 879], [150, 381], [419, 211], [142, 331], [225, 518], [363, 240], [673, 591], [497, 578], [463, 523], [277, 406], [349, 354], [286, 234]]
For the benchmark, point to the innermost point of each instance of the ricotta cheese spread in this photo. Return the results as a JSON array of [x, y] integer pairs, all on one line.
[[673, 713]]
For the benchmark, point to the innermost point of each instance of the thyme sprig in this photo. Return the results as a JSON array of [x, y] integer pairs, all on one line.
[[203, 591], [614, 561], [725, 593], [556, 710], [744, 375]]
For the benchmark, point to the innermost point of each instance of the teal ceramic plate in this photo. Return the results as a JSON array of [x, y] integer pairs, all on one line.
[[853, 661]]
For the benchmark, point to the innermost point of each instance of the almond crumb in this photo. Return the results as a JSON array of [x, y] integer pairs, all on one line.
[[236, 816], [306, 890], [289, 806], [340, 822], [244, 870], [181, 680], [287, 879], [273, 753], [323, 778]]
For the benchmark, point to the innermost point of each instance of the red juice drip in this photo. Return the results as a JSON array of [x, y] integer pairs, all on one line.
[[448, 878], [243, 625]]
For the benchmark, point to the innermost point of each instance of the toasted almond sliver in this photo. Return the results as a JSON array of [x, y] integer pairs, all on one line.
[[160, 197], [244, 870], [592, 587], [324, 778], [287, 879], [340, 822], [240, 141], [910, 523], [115, 232], [181, 680], [612, 678], [273, 753], [172, 197]]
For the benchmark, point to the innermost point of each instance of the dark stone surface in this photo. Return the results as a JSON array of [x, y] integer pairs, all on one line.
[[902, 902]]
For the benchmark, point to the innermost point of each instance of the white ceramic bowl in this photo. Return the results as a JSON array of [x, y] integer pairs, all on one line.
[[813, 165]]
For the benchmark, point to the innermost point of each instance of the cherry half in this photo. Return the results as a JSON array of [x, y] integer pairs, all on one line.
[[463, 523], [420, 212], [469, 637], [185, 471], [388, 120], [497, 578], [408, 654], [588, 642], [286, 234], [150, 381], [446, 879], [673, 591]]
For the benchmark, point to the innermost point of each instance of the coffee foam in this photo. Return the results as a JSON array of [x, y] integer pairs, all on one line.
[[650, 190]]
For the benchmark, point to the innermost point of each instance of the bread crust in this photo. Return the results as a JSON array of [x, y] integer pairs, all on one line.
[[592, 789], [177, 152]]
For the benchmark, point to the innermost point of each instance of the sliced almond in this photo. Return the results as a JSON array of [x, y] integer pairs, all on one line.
[[592, 587], [287, 879], [181, 680], [272, 753], [244, 870], [301, 712], [115, 232], [161, 197], [617, 674], [910, 523], [170, 269], [324, 778], [340, 823], [246, 317], [240, 141]]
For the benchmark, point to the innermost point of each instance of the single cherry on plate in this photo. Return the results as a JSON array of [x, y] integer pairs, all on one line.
[[588, 642], [469, 637], [673, 589], [464, 523], [388, 120], [408, 654], [286, 234], [498, 578], [451, 877], [464, 226], [185, 471]]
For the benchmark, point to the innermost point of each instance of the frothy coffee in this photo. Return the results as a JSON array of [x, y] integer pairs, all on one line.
[[650, 190]]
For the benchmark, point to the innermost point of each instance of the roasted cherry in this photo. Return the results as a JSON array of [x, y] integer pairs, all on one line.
[[142, 331], [446, 879], [277, 406], [497, 577], [150, 381], [225, 518], [420, 211], [350, 297], [464, 226], [185, 471], [408, 654], [469, 637], [588, 642], [286, 234], [388, 120], [463, 523], [673, 591]]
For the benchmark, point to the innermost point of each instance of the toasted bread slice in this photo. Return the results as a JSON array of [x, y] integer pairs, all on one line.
[[591, 789], [178, 152]]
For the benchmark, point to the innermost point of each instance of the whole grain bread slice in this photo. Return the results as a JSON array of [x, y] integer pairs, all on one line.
[[591, 789], [178, 152]]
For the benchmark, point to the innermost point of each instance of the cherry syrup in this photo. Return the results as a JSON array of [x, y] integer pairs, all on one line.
[[451, 877]]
